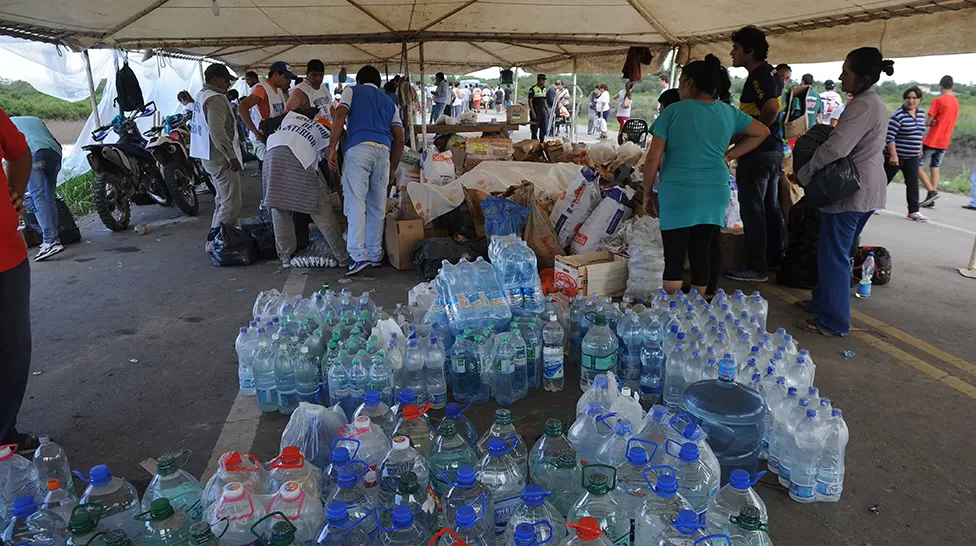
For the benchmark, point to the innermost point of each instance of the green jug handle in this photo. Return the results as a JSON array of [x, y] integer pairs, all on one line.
[[281, 515]]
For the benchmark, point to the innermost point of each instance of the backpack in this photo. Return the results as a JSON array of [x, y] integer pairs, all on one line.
[[799, 267], [882, 264], [128, 92]]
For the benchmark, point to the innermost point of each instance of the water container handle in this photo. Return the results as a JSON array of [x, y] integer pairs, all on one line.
[[279, 515], [83, 476], [643, 441], [613, 471], [755, 478], [257, 464], [445, 531], [449, 480], [277, 462], [762, 526], [484, 505], [379, 524], [185, 453], [603, 418], [675, 419], [668, 443], [644, 472], [514, 439], [336, 441], [713, 536], [564, 422], [226, 521], [96, 535]]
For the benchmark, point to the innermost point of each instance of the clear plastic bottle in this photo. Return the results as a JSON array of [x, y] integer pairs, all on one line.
[[358, 382], [381, 378], [83, 529], [830, 472], [787, 440], [245, 346], [501, 474], [119, 497], [808, 448], [687, 531], [588, 533], [548, 448], [378, 412], [175, 484], [413, 425], [552, 355], [467, 529], [503, 387], [302, 510], [31, 525], [164, 525], [627, 407], [465, 490], [659, 509], [502, 427], [589, 432], [413, 375], [264, 380], [307, 376], [536, 508], [404, 532], [402, 458], [59, 500], [599, 352], [448, 453], [674, 379], [411, 493], [520, 369], [284, 373], [351, 492], [600, 501], [467, 373], [373, 447], [340, 387], [18, 477], [632, 487], [52, 463], [291, 466], [613, 451], [731, 498], [340, 529], [241, 512], [575, 338], [434, 379], [465, 427], [696, 481], [867, 274]]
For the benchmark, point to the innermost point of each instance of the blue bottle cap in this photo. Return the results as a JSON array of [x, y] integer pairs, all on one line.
[[658, 412], [243, 330], [337, 511], [637, 456], [689, 452], [836, 412], [687, 522], [804, 402], [100, 475], [739, 479], [465, 517], [674, 329], [372, 398], [780, 380], [402, 517], [465, 475], [622, 428], [496, 446], [23, 506], [340, 456], [407, 397], [811, 414], [533, 495], [594, 407], [525, 533], [813, 391], [452, 411], [348, 477], [825, 402], [791, 391], [667, 485], [681, 336]]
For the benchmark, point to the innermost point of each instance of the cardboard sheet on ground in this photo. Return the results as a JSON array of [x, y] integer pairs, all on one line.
[[549, 179], [432, 201]]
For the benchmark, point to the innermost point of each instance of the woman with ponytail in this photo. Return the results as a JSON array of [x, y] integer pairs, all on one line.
[[690, 148], [860, 134]]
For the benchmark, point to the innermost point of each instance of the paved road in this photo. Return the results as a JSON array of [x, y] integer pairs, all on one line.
[[134, 355]]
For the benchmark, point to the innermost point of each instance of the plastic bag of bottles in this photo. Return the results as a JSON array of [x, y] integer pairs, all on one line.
[[646, 251], [312, 428], [268, 302]]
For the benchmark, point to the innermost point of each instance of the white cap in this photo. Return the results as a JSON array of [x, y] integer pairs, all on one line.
[[625, 392], [401, 443], [233, 491], [362, 422], [290, 491]]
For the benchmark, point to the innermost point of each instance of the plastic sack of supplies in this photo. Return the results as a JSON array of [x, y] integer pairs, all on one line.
[[575, 205], [311, 428], [432, 201], [645, 269], [436, 167], [231, 246], [605, 220], [503, 217]]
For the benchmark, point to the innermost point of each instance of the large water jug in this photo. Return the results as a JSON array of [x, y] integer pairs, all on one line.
[[687, 530], [302, 510], [589, 432], [164, 525], [413, 424], [340, 529], [536, 508], [599, 352], [18, 477], [599, 501], [696, 483], [350, 491], [291, 466], [378, 412], [613, 452], [731, 498], [465, 490], [632, 487], [33, 526], [175, 484], [119, 497], [563, 478], [550, 446], [448, 453], [732, 417], [241, 511], [402, 458], [502, 427], [83, 528], [468, 530], [410, 492], [660, 507], [233, 467], [373, 447], [499, 473]]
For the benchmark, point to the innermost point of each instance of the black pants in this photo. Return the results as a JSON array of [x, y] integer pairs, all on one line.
[[15, 346], [757, 176], [701, 244], [908, 168]]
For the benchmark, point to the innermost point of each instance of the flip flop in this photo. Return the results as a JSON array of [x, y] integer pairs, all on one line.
[[802, 304], [809, 326]]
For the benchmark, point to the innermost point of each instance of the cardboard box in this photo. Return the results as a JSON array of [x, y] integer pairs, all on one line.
[[400, 237], [603, 272], [732, 241], [528, 150], [518, 113]]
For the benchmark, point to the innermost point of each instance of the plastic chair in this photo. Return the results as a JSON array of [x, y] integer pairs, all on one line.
[[634, 130]]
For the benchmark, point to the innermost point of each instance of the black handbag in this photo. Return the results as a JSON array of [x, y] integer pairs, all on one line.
[[833, 183]]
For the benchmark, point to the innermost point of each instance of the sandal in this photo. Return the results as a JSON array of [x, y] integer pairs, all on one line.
[[802, 304], [809, 326]]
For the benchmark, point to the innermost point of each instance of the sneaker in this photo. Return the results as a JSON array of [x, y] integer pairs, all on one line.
[[356, 267], [745, 274], [286, 263], [47, 250], [969, 207], [376, 264], [929, 200], [918, 217], [343, 264], [208, 247]]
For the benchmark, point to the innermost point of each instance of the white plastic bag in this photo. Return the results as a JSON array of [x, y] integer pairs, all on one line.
[[575, 205], [629, 153], [311, 428], [645, 269], [733, 218], [605, 220], [422, 294], [602, 153], [431, 201], [436, 167], [384, 330], [267, 303]]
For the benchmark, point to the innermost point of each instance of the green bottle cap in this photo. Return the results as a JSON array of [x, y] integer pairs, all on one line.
[[598, 483], [200, 534], [554, 427], [160, 509]]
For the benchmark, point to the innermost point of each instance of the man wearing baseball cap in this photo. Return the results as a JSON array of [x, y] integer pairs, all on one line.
[[269, 97], [216, 144], [539, 108]]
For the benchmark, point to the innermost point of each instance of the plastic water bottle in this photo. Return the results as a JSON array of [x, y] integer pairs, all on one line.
[[340, 529], [731, 498], [599, 501], [373, 447], [654, 426], [434, 379], [410, 493], [29, 524], [466, 372], [82, 527], [627, 407], [264, 379], [245, 347], [733, 414], [502, 427], [799, 374], [405, 531], [499, 473], [401, 459], [630, 335], [787, 440], [613, 452], [178, 486], [59, 500], [552, 355], [696, 481], [307, 378], [284, 372], [660, 508], [378, 412], [632, 487], [830, 471], [599, 352], [536, 508], [748, 528], [291, 466], [340, 385], [808, 447], [413, 375], [687, 530], [550, 446], [350, 491], [867, 274], [599, 392], [448, 453], [381, 378], [52, 463], [340, 458], [164, 525], [575, 330], [533, 354], [465, 427], [652, 365], [464, 490], [119, 497], [520, 374], [588, 533], [780, 414], [468, 528], [358, 383], [674, 379], [589, 432], [413, 425], [241, 511]]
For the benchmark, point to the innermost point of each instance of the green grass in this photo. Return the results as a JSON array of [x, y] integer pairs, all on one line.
[[18, 98], [77, 193], [956, 184]]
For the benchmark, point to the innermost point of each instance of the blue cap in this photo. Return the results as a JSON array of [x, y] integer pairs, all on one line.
[[453, 411], [681, 335], [622, 428], [780, 380], [496, 445], [689, 452], [340, 456], [674, 328], [348, 477], [836, 412], [525, 533], [465, 475], [594, 407], [372, 398], [533, 495], [402, 517], [658, 412], [282, 67], [465, 517], [811, 413], [23, 506], [601, 382], [243, 330], [687, 522], [739, 479], [99, 475], [637, 456], [804, 402], [407, 397], [825, 401], [337, 511], [791, 391], [813, 391], [667, 485]]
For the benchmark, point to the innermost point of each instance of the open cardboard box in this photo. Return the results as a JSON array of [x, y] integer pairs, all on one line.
[[603, 273], [400, 238]]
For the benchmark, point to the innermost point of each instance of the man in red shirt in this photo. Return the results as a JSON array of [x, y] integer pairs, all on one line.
[[15, 333], [941, 120]]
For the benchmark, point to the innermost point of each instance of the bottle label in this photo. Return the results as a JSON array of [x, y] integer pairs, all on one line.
[[497, 298], [476, 300], [514, 296], [506, 365], [599, 363], [530, 353], [831, 490], [552, 362], [801, 491], [503, 512], [459, 364], [438, 399], [247, 383], [267, 396], [288, 399]]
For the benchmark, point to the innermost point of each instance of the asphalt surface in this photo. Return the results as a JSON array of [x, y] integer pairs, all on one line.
[[134, 357]]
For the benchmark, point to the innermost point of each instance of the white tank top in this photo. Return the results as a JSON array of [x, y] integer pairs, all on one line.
[[200, 131], [318, 98]]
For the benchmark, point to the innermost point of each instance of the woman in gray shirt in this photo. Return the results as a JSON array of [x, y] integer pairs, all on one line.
[[860, 133]]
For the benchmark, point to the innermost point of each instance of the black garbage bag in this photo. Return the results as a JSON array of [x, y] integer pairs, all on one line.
[[231, 246], [264, 239], [68, 231], [833, 183], [428, 254], [799, 267]]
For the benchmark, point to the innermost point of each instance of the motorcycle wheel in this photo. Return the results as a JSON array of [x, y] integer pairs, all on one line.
[[181, 187], [111, 202], [158, 191]]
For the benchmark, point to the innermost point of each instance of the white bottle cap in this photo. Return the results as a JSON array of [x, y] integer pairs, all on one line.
[[625, 392], [290, 491], [401, 443], [233, 491]]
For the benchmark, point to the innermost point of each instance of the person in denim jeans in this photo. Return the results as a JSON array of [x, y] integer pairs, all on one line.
[[43, 183], [758, 172], [374, 144]]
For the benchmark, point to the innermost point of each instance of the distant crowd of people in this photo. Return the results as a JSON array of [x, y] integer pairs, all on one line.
[[452, 99]]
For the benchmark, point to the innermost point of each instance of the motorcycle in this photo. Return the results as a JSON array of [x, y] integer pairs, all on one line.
[[125, 171], [170, 145]]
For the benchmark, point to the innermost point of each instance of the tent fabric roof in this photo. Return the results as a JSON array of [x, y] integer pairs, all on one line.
[[466, 35]]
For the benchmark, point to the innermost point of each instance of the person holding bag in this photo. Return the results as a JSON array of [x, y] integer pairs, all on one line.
[[860, 135]]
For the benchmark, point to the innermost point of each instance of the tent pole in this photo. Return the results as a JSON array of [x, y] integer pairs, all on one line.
[[91, 89], [674, 65], [203, 78], [574, 125], [515, 98], [405, 66], [423, 97]]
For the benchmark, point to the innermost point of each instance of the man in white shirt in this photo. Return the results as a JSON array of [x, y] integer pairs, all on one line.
[[831, 100]]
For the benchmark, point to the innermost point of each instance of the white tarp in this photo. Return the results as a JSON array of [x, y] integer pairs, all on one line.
[[465, 35]]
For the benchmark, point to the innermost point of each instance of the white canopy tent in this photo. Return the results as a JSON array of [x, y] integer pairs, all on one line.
[[466, 35]]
